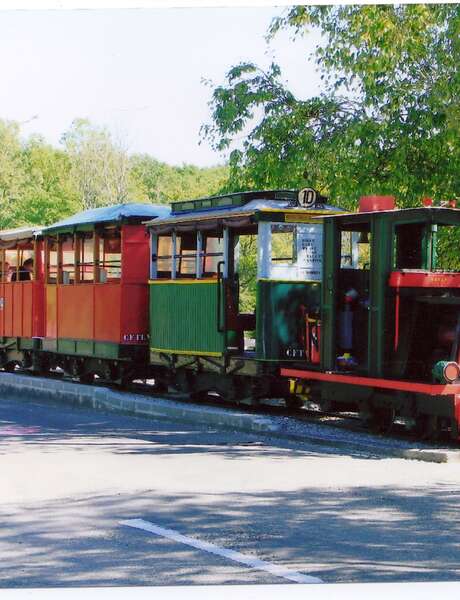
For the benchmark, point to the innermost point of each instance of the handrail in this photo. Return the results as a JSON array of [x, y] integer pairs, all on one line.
[[220, 329]]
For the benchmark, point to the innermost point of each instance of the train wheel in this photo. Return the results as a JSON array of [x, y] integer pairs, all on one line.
[[293, 402], [87, 378], [379, 419], [427, 427], [10, 367]]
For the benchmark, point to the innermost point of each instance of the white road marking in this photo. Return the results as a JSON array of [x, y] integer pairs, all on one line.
[[245, 559]]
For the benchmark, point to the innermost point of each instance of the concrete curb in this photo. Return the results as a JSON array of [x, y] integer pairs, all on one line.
[[106, 399]]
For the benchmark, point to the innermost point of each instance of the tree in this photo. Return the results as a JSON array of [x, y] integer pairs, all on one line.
[[99, 165], [12, 173], [386, 121], [160, 183], [49, 193]]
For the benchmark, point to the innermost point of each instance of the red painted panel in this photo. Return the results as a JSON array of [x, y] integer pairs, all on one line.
[[376, 203], [38, 309], [107, 312], [17, 308], [8, 310], [135, 254], [388, 384], [27, 304], [51, 311], [134, 315], [424, 279], [76, 311]]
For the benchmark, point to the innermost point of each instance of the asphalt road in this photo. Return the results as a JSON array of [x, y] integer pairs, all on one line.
[[70, 477]]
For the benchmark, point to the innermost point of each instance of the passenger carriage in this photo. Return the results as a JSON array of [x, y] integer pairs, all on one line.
[[95, 273], [21, 295], [207, 333]]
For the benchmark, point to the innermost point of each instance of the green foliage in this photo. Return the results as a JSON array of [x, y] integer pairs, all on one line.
[[12, 172], [386, 122], [247, 272], [49, 193], [99, 166], [161, 183], [40, 184]]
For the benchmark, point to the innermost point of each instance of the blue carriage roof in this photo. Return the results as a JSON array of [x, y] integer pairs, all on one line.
[[110, 214]]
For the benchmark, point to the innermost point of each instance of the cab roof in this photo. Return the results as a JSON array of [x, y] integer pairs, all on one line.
[[441, 215], [109, 214]]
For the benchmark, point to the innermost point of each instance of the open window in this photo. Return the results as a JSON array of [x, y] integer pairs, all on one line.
[[290, 251], [86, 257], [109, 255], [51, 260], [186, 255], [17, 264], [67, 249]]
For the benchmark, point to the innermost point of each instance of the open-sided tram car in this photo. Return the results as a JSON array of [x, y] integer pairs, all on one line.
[[201, 338], [85, 307]]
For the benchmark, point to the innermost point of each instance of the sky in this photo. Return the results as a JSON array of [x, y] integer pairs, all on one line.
[[137, 71]]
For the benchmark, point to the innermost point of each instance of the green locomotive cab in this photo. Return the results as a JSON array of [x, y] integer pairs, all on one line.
[[235, 287], [390, 317]]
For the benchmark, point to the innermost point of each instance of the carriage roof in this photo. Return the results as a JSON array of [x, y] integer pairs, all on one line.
[[109, 214], [238, 209], [11, 237]]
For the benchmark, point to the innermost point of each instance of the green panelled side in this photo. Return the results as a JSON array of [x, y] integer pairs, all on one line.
[[183, 317], [88, 348], [331, 246], [281, 318], [381, 262]]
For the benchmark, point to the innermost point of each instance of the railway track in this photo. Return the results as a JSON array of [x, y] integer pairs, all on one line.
[[309, 413]]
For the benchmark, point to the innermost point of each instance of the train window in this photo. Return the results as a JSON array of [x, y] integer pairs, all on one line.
[[86, 258], [349, 257], [355, 250], [17, 264], [212, 254], [445, 240], [408, 246], [52, 266], [3, 267], [186, 255], [68, 259], [11, 263], [110, 255], [291, 251], [164, 257], [283, 243]]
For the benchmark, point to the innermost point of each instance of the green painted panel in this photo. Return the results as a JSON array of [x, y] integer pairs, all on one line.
[[26, 343], [49, 345], [106, 350], [66, 346], [183, 317], [83, 348], [331, 245], [281, 318]]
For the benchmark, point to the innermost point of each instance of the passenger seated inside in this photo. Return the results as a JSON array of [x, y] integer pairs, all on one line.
[[25, 271], [4, 275]]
